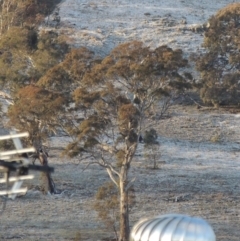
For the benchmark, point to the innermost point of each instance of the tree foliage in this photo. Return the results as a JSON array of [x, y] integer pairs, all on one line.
[[115, 95], [29, 70], [150, 137], [107, 205], [44, 107], [118, 91], [36, 109], [51, 50], [26, 55], [15, 13], [220, 65], [26, 52], [63, 77]]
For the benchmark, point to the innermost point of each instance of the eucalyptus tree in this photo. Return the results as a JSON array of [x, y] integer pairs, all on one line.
[[15, 13], [44, 106], [220, 64], [26, 52], [151, 147], [119, 96], [109, 102]]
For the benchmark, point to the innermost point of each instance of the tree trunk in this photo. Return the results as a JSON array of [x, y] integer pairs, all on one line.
[[124, 212], [46, 179], [47, 184]]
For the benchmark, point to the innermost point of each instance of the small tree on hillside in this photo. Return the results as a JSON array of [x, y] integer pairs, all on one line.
[[107, 205], [43, 108], [35, 110], [220, 65], [151, 147], [117, 95]]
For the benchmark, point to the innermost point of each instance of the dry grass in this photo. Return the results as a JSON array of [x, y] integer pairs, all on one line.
[[197, 177]]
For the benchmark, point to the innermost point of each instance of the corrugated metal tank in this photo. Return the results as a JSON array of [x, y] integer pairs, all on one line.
[[172, 227]]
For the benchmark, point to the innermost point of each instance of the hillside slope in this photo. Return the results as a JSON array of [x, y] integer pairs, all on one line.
[[103, 24], [198, 152]]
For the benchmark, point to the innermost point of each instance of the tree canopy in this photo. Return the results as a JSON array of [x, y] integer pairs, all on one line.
[[44, 106], [36, 109], [118, 91], [26, 54], [15, 13], [220, 65], [115, 96]]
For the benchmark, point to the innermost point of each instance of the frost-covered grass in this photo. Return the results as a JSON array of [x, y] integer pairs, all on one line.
[[103, 24], [199, 150]]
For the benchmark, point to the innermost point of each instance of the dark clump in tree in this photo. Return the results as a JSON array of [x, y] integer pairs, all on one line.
[[150, 137], [220, 65]]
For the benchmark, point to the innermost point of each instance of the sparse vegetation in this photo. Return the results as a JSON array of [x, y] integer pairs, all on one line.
[[215, 138], [6, 145], [106, 204], [151, 148]]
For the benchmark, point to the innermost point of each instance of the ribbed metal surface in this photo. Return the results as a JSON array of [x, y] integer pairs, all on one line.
[[172, 227]]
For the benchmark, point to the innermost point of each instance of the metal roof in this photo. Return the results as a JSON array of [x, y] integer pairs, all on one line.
[[172, 227]]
